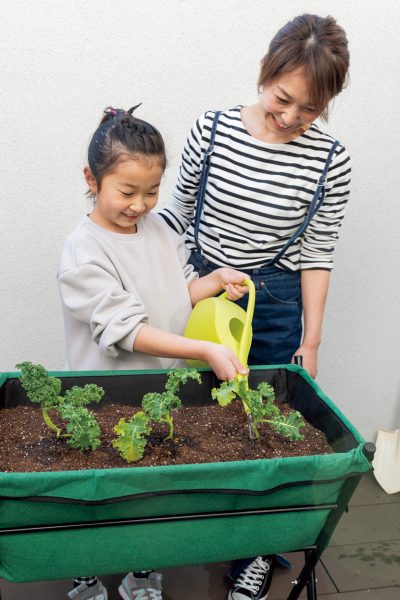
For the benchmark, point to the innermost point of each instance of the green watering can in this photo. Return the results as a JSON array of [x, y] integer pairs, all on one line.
[[220, 320]]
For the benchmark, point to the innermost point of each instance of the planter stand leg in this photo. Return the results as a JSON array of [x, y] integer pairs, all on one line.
[[306, 577], [311, 581]]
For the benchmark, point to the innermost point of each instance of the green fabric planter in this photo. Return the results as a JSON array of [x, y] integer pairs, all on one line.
[[299, 487]]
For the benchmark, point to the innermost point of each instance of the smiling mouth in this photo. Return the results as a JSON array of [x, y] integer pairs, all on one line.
[[281, 125]]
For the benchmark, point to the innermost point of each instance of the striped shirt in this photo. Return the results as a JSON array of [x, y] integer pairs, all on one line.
[[258, 194]]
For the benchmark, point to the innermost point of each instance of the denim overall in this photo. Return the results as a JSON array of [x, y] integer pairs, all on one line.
[[277, 321]]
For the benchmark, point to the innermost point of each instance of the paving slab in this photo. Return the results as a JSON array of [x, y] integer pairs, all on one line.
[[364, 566], [369, 523], [392, 593], [370, 492]]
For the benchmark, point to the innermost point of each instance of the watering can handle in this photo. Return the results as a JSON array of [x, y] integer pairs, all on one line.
[[243, 353], [248, 320]]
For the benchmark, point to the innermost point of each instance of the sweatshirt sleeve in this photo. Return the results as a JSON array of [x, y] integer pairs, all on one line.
[[319, 240], [183, 253], [92, 293], [179, 212]]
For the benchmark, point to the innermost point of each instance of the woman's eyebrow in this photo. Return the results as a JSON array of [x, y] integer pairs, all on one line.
[[282, 91]]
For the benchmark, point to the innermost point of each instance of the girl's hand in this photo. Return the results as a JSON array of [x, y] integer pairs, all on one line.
[[232, 282], [310, 359], [223, 362]]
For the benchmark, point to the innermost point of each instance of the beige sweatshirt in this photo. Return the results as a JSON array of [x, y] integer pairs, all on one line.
[[111, 284]]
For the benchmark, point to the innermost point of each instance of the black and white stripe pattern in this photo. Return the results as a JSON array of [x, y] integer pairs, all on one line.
[[258, 194], [88, 580]]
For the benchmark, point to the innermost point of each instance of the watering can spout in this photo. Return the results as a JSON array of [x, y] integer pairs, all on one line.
[[221, 321]]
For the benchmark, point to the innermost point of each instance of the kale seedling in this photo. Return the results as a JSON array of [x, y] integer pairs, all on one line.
[[131, 435], [260, 405], [159, 405], [82, 429]]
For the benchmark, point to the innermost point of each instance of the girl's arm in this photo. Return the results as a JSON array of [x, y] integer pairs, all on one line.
[[314, 291], [157, 342], [224, 363]]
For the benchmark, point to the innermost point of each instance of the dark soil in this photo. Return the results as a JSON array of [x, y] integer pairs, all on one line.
[[202, 434]]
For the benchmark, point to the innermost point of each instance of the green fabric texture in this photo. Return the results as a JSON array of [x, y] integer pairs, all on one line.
[[183, 489]]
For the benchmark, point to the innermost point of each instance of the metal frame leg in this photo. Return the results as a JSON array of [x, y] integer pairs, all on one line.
[[312, 580], [307, 576]]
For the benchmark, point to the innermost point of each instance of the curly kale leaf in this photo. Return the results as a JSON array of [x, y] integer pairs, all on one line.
[[131, 441], [259, 403], [289, 426], [159, 406], [83, 430], [267, 391], [177, 377], [227, 391], [40, 387], [79, 396], [255, 403]]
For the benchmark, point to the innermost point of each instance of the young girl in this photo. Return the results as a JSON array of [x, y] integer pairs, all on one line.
[[126, 290], [268, 161]]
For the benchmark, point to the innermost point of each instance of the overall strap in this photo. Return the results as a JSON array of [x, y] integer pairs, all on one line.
[[203, 181], [315, 205]]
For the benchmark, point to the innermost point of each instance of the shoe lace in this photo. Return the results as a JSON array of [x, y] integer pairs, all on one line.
[[253, 575], [154, 594]]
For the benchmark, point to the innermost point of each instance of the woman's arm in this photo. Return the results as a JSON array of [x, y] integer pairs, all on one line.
[[320, 238], [314, 291], [157, 342], [316, 258], [180, 209]]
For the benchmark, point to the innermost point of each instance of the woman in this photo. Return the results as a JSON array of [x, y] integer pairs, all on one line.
[[273, 173]]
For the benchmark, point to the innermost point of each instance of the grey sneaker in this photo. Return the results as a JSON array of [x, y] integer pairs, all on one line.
[[141, 588], [86, 592]]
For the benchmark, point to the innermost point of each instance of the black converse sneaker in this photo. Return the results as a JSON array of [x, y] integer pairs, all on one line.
[[254, 582]]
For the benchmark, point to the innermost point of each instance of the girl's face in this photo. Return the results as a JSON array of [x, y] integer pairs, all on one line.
[[286, 105], [126, 193]]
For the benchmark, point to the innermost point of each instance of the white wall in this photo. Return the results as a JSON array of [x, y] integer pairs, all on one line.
[[63, 61]]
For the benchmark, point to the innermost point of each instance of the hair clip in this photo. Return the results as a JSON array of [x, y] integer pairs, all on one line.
[[110, 111]]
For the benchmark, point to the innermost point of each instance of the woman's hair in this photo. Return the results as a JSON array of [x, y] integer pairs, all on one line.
[[319, 45], [119, 136]]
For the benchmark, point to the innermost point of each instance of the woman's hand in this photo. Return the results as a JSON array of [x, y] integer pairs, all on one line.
[[310, 358], [232, 282], [223, 362]]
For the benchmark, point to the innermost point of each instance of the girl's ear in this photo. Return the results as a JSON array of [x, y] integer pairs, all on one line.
[[90, 180]]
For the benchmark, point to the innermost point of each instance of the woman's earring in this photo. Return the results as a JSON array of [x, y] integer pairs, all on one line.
[[260, 89]]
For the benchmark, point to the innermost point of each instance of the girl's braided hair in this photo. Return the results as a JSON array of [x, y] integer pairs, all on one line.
[[121, 135]]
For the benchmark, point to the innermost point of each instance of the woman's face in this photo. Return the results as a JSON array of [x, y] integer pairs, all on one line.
[[286, 105]]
